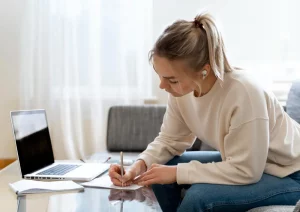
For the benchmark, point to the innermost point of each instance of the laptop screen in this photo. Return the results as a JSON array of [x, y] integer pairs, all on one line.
[[32, 140]]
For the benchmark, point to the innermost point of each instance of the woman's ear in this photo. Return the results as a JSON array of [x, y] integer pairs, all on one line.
[[204, 72], [207, 68]]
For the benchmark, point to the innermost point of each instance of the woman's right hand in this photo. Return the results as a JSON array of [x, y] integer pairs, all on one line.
[[116, 178], [130, 174]]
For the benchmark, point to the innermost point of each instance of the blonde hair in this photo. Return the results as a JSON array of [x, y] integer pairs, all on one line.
[[197, 42]]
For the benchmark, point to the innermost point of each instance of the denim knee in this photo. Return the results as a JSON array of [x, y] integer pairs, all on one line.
[[295, 176], [202, 156], [191, 202], [173, 161]]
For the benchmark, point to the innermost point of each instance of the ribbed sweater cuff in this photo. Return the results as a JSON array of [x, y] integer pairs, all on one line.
[[182, 175]]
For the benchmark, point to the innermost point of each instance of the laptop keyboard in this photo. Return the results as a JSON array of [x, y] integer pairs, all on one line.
[[59, 169]]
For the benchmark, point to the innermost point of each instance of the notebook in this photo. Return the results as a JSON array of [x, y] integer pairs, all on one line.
[[35, 154], [105, 182], [23, 187]]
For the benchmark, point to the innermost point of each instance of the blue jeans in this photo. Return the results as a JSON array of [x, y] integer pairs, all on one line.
[[270, 190]]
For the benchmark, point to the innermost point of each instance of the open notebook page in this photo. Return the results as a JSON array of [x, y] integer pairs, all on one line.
[[105, 182]]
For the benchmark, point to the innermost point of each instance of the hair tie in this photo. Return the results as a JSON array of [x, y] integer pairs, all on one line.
[[197, 23]]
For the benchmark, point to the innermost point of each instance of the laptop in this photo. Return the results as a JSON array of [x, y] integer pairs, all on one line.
[[35, 151]]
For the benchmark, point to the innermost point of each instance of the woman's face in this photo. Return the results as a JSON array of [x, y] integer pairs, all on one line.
[[175, 76]]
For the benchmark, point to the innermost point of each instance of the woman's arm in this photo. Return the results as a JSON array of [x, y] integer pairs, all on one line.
[[246, 150], [174, 138]]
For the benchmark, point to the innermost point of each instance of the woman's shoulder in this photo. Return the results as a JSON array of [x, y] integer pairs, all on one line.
[[245, 88], [244, 81], [247, 96]]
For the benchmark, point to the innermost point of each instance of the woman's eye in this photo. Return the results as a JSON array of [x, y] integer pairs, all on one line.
[[173, 82]]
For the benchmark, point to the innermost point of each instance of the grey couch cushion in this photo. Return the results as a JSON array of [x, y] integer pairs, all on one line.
[[132, 128], [277, 208], [206, 147], [293, 102]]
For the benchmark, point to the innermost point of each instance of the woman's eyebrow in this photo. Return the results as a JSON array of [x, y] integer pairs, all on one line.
[[171, 77]]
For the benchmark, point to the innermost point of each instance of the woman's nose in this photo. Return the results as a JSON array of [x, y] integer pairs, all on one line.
[[163, 84]]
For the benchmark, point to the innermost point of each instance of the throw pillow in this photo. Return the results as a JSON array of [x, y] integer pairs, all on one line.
[[293, 102]]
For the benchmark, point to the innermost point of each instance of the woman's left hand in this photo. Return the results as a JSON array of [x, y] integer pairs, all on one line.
[[157, 174]]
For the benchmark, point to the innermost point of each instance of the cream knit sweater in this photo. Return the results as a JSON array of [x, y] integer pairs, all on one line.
[[238, 118]]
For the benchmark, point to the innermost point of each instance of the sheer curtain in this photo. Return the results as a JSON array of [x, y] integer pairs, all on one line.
[[79, 57]]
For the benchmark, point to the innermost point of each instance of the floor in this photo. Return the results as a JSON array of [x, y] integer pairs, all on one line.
[[5, 162]]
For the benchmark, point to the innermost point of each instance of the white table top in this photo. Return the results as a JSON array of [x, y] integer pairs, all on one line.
[[89, 200]]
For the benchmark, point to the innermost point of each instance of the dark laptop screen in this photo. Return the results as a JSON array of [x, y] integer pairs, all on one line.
[[33, 140]]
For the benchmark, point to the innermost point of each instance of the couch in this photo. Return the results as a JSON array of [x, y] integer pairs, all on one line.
[[131, 128]]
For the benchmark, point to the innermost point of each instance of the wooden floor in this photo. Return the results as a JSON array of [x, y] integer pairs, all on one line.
[[5, 162]]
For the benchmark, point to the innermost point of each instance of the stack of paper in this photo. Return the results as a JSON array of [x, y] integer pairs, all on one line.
[[32, 186]]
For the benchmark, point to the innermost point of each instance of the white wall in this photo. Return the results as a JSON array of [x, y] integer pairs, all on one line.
[[10, 18], [256, 32], [262, 36]]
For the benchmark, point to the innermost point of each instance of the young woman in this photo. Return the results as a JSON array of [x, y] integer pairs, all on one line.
[[258, 158]]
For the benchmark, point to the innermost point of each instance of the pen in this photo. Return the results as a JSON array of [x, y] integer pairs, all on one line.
[[122, 168], [107, 160], [122, 173], [121, 209]]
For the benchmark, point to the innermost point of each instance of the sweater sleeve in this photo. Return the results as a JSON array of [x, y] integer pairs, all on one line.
[[174, 137], [246, 149]]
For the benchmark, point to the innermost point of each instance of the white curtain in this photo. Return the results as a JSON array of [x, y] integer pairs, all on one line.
[[79, 57]]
